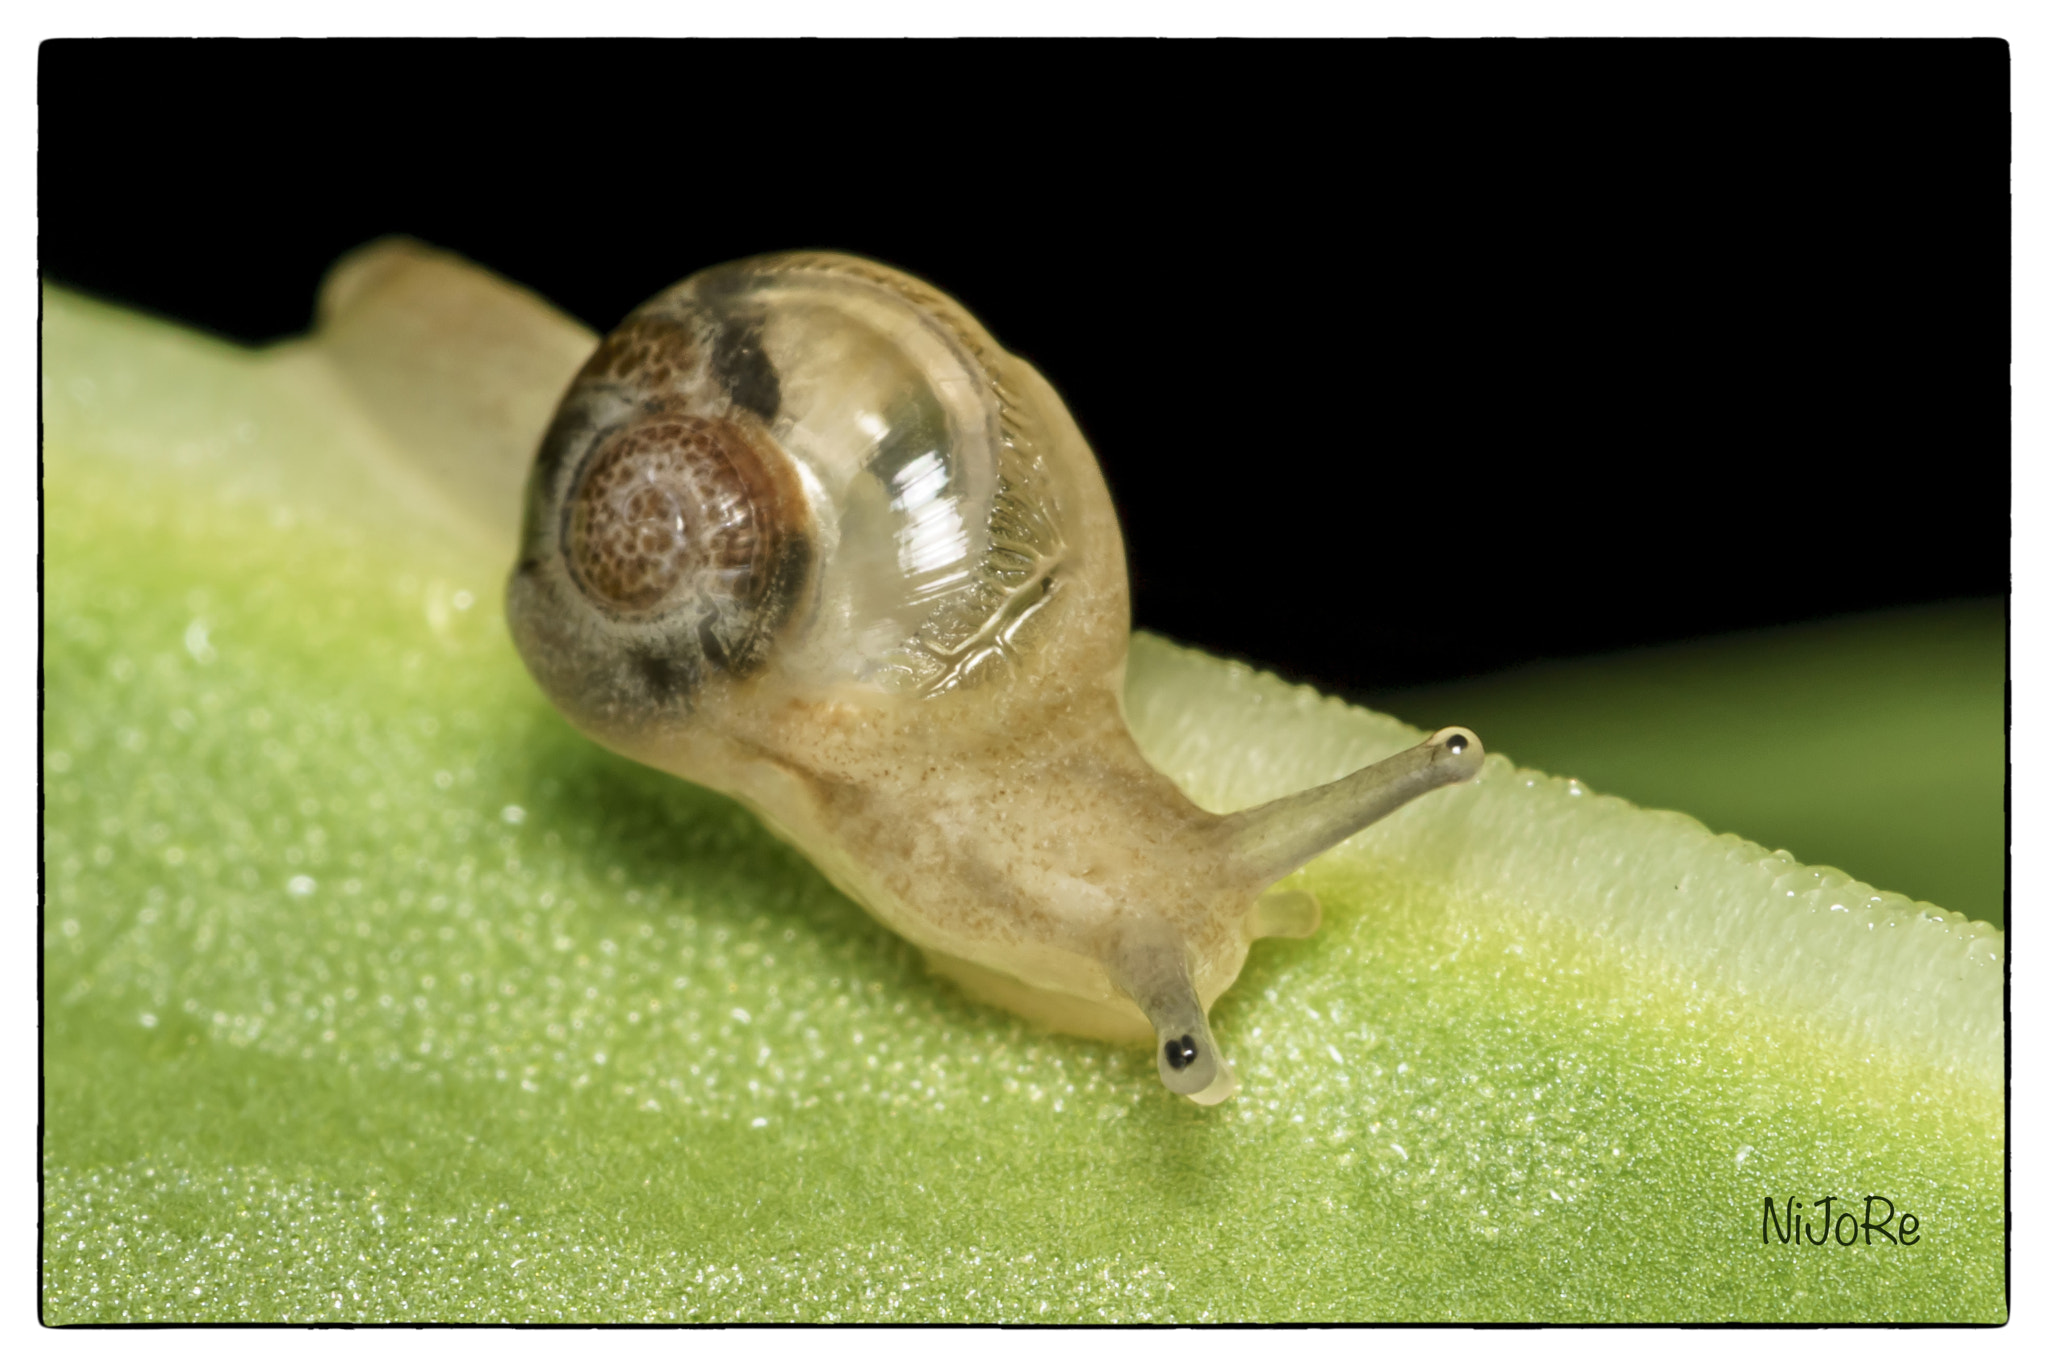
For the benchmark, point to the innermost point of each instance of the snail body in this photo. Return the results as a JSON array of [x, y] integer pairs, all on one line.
[[801, 531]]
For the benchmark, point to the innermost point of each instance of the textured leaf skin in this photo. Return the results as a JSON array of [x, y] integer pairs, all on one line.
[[1874, 742], [374, 993]]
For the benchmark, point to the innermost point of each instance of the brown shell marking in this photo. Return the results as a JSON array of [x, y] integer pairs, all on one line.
[[648, 351], [678, 507]]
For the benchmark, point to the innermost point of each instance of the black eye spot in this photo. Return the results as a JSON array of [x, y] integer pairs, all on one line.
[[1456, 744], [1180, 1052]]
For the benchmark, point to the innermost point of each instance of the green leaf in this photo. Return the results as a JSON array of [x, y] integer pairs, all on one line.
[[375, 992], [1873, 742]]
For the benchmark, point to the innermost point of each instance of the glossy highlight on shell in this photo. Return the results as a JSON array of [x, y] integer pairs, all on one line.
[[803, 532]]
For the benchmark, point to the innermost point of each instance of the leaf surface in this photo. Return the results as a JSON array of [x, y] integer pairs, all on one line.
[[373, 992]]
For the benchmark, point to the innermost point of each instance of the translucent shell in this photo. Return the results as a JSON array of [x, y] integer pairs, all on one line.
[[808, 450]]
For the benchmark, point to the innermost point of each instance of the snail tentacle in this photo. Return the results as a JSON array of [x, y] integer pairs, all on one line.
[[1268, 842], [1150, 966]]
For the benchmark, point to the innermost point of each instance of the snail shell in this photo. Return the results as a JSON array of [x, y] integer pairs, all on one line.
[[803, 532]]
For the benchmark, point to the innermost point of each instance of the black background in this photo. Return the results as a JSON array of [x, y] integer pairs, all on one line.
[[1404, 360]]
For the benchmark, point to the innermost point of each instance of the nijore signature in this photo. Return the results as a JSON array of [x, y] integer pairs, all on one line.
[[1819, 1225]]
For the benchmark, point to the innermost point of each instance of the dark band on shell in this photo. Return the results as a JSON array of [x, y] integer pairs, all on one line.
[[669, 510], [743, 368]]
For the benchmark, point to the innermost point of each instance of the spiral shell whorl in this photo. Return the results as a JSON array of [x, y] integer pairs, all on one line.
[[660, 501]]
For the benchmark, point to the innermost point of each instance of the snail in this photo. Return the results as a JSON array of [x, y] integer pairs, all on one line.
[[801, 531]]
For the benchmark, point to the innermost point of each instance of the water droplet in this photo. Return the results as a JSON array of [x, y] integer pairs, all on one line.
[[196, 643], [301, 886]]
